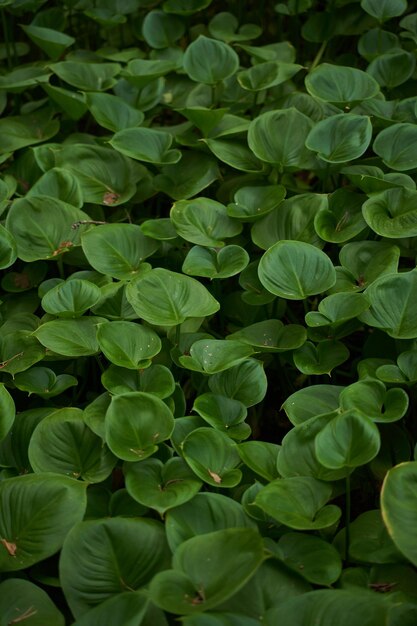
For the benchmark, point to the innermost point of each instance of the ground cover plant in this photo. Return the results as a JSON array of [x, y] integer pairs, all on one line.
[[208, 313]]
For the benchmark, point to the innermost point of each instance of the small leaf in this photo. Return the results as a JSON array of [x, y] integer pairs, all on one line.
[[127, 344]]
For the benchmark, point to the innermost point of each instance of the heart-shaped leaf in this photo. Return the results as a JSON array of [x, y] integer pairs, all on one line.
[[396, 146], [311, 401], [295, 270], [70, 337], [212, 455], [371, 398], [156, 379], [340, 84], [320, 359], [146, 144], [166, 298], [209, 263], [252, 203], [44, 382], [210, 61], [161, 487], [207, 570], [37, 511], [299, 502], [392, 213], [135, 423], [215, 355], [340, 138], [71, 298], [203, 221], [127, 344]]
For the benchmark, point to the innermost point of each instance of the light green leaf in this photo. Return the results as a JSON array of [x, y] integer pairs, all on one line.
[[210, 61], [203, 221], [146, 144], [70, 337], [71, 298]]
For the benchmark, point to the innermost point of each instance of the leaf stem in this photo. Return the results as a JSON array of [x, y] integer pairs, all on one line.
[[318, 56], [177, 334]]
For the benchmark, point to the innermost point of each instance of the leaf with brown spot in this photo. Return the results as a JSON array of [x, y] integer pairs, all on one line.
[[10, 547]]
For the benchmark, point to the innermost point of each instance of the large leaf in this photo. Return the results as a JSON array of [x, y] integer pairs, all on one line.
[[159, 486], [102, 558], [396, 145], [299, 502], [295, 270], [245, 382], [278, 137], [22, 601], [62, 443], [70, 337], [117, 249], [215, 355], [384, 10], [207, 570], [340, 138], [166, 298], [392, 213], [72, 298], [210, 61], [372, 399], [146, 144], [315, 559], [135, 423], [50, 41], [349, 440], [42, 227], [399, 507], [87, 76], [36, 513], [112, 112], [203, 221], [213, 456], [26, 130], [192, 174], [340, 84], [392, 305], [127, 607], [127, 344]]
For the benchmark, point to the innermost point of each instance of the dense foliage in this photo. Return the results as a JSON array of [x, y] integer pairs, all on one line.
[[208, 313]]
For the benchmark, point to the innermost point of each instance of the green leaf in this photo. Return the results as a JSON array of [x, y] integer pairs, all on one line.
[[142, 72], [117, 250], [340, 85], [26, 130], [7, 411], [42, 227], [156, 379], [62, 443], [349, 440], [43, 382], [70, 337], [8, 249], [316, 560], [225, 414], [393, 68], [336, 309], [224, 26], [392, 309], [235, 152], [71, 102], [192, 174], [19, 350], [293, 219], [252, 203], [384, 10], [112, 112], [299, 502], [36, 513], [22, 601], [161, 30], [342, 219], [215, 355], [103, 558], [209, 61], [340, 138], [245, 382], [335, 606], [203, 221], [87, 76], [135, 423], [396, 146], [50, 41], [320, 359], [392, 213], [167, 298], [71, 298], [399, 507], [127, 344], [209, 263], [206, 513], [260, 457], [278, 137], [129, 608], [311, 401], [271, 336], [146, 144], [295, 270], [207, 570], [267, 75], [371, 398], [58, 183], [213, 457], [159, 486]]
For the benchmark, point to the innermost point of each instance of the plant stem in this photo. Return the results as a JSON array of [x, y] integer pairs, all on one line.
[[318, 56], [61, 270], [177, 334], [347, 519]]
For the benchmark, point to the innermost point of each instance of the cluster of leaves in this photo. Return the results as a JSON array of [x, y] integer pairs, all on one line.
[[208, 336]]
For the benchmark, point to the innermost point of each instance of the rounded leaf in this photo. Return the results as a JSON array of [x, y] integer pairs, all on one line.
[[127, 344], [203, 221], [22, 601], [396, 145], [295, 270], [167, 298], [340, 84], [71, 298], [340, 138], [316, 560], [210, 61], [135, 423]]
